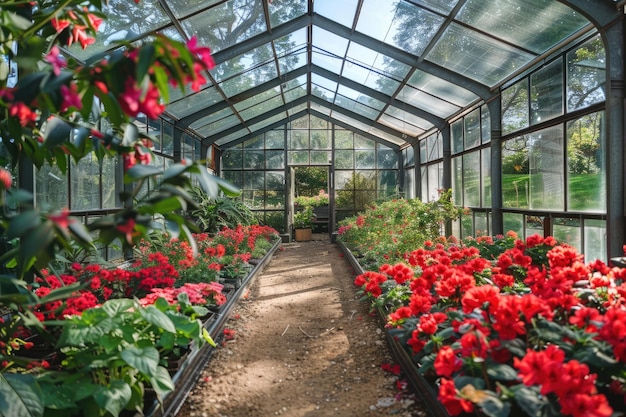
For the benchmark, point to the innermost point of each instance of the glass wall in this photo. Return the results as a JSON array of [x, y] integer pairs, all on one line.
[[364, 170], [554, 151], [470, 141]]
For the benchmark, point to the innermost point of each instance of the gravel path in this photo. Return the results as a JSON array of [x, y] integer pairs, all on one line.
[[300, 343]]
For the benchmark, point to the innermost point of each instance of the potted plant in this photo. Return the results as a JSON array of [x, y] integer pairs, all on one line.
[[303, 224]]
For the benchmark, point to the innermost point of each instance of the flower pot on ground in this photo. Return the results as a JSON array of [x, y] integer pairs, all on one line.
[[304, 235], [303, 223]]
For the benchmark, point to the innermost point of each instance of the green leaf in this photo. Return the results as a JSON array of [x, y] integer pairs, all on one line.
[[139, 171], [162, 383], [113, 110], [529, 400], [60, 397], [114, 398], [117, 306], [166, 205], [501, 372], [156, 317], [146, 58], [62, 293], [80, 231], [35, 243], [145, 360], [23, 223], [494, 407], [57, 132], [20, 395], [131, 134]]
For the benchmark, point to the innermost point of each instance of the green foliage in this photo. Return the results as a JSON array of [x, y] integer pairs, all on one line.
[[388, 230], [214, 213], [303, 218]]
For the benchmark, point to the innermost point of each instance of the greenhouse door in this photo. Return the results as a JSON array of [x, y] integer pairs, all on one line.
[[312, 183]]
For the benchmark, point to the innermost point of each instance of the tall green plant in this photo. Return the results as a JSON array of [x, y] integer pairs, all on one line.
[[214, 213]]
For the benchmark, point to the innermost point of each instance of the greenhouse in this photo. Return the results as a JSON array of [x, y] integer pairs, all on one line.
[[130, 121], [516, 106]]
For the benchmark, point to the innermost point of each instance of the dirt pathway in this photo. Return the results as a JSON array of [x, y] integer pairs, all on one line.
[[301, 344]]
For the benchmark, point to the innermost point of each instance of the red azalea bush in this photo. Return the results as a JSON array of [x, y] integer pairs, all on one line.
[[163, 270], [509, 327]]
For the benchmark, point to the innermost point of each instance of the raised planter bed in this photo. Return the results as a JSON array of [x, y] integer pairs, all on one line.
[[423, 388], [191, 368]]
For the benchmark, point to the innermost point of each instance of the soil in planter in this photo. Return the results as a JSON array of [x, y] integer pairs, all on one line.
[[300, 343]]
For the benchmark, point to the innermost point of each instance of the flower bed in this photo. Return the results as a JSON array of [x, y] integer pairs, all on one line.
[[501, 326], [113, 334]]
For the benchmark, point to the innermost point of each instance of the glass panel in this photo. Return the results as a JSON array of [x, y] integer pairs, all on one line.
[[365, 159], [323, 60], [387, 158], [253, 180], [409, 156], [467, 225], [409, 183], [481, 226], [515, 107], [320, 139], [235, 177], [363, 143], [586, 170], [423, 152], [485, 123], [514, 222], [483, 59], [387, 182], [284, 11], [456, 136], [546, 93], [442, 6], [360, 97], [534, 225], [110, 168], [274, 159], [51, 188], [344, 159], [530, 23], [298, 157], [435, 174], [168, 139], [586, 75], [356, 107], [253, 160], [433, 147], [344, 139], [275, 139], [437, 87], [318, 123], [594, 233], [261, 108], [183, 8], [406, 26], [471, 125], [424, 184], [343, 179], [568, 231], [515, 173], [193, 102], [126, 19], [258, 98], [320, 157], [547, 182], [281, 117], [276, 199], [340, 11], [212, 118], [232, 159], [85, 183], [329, 43], [275, 180], [373, 69], [471, 179], [400, 125], [457, 181], [426, 101], [224, 25], [485, 174], [299, 139]]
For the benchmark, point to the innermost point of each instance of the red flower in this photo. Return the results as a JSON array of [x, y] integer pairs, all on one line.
[[449, 398], [446, 362]]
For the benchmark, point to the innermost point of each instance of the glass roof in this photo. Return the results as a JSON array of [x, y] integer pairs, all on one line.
[[392, 70]]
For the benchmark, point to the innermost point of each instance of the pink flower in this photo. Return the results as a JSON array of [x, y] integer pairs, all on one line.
[[56, 60], [5, 179], [70, 97]]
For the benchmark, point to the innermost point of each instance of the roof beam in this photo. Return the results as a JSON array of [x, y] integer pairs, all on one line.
[[437, 121]]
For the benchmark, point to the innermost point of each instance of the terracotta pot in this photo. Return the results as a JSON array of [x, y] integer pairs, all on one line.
[[304, 235]]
